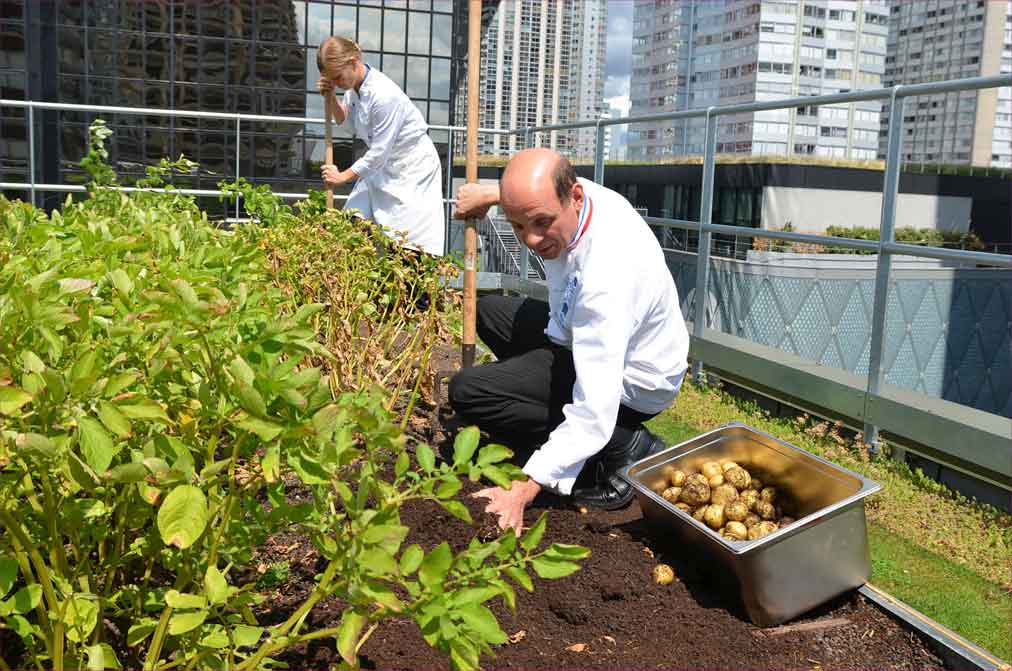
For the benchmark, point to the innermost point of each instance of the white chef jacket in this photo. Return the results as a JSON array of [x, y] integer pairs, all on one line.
[[399, 182], [613, 302]]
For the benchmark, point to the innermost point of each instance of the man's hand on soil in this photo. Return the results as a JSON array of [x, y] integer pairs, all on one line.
[[509, 504]]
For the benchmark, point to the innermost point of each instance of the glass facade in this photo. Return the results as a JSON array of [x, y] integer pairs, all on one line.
[[247, 56]]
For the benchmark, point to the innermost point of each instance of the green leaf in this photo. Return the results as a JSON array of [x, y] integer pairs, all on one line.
[[565, 551], [74, 285], [474, 595], [96, 444], [426, 457], [520, 577], [246, 635], [83, 369], [435, 565], [80, 615], [11, 400], [533, 536], [113, 419], [32, 362], [271, 463], [215, 586], [493, 454], [448, 488], [216, 638], [145, 409], [383, 595], [385, 533], [185, 292], [37, 445], [241, 371], [551, 569], [9, 573], [54, 383], [122, 282], [21, 626], [180, 623], [377, 561], [182, 516], [307, 311], [181, 601], [464, 655], [26, 598], [411, 559], [402, 464], [307, 377], [119, 382], [480, 620], [465, 444], [250, 400], [102, 656], [266, 431], [325, 418], [140, 631], [497, 476], [457, 509], [352, 623]]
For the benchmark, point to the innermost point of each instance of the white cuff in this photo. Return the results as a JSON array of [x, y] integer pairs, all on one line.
[[544, 470]]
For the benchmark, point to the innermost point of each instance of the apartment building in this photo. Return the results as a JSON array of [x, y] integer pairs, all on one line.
[[932, 40], [542, 62], [694, 54]]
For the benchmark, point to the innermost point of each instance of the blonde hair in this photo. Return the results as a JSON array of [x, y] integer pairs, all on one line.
[[337, 52]]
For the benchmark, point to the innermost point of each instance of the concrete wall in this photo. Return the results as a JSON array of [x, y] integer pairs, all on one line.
[[813, 210]]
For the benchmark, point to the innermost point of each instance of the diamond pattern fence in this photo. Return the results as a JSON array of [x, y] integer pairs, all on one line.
[[947, 331]]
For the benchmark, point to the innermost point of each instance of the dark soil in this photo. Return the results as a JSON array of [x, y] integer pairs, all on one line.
[[610, 614]]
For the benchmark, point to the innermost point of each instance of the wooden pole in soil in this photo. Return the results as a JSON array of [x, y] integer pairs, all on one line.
[[470, 227], [328, 141]]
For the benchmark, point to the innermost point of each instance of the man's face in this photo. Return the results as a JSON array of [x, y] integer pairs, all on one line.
[[540, 221]]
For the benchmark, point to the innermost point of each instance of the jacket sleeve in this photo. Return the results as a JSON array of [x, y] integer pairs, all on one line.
[[386, 118], [603, 322]]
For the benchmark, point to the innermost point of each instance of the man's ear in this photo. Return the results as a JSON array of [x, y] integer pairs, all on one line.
[[576, 195]]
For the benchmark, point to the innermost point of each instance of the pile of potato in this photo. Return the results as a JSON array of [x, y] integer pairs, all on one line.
[[727, 498]]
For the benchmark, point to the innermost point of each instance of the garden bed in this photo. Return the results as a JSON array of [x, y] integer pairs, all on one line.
[[610, 614]]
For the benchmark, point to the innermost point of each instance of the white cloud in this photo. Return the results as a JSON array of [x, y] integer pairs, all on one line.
[[621, 104], [616, 85]]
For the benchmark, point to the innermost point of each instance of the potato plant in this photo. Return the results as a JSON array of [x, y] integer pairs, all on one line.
[[162, 397]]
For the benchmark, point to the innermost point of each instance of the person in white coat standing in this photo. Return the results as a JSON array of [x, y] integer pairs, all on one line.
[[575, 378], [398, 181]]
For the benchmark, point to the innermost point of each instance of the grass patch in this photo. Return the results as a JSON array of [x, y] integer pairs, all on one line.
[[946, 592]]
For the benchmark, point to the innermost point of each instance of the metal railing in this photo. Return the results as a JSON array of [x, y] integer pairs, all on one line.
[[885, 247], [32, 186]]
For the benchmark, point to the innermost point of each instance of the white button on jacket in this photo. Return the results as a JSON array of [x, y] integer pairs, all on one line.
[[399, 182], [613, 302]]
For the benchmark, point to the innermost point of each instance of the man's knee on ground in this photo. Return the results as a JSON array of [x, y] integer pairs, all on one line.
[[463, 390]]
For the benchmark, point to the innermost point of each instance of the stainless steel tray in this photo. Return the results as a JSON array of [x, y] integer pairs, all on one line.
[[822, 554]]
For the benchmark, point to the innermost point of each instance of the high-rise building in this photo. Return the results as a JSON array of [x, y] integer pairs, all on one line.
[[933, 40], [249, 56], [542, 62], [696, 53]]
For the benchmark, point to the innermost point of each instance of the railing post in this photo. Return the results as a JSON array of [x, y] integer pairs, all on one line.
[[449, 191], [890, 187], [599, 155], [238, 123], [31, 151], [703, 252]]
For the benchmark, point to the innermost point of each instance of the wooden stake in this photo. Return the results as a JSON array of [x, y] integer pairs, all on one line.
[[328, 140], [470, 226]]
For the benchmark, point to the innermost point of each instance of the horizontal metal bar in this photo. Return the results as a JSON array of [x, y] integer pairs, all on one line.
[[77, 188], [230, 116], [902, 91], [850, 243], [924, 251], [945, 254]]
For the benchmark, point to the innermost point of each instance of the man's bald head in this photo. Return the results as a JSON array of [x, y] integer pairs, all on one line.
[[541, 198], [532, 170]]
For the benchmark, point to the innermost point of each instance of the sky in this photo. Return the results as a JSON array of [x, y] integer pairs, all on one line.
[[618, 61]]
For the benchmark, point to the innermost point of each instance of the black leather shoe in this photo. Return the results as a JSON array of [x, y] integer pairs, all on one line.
[[606, 490]]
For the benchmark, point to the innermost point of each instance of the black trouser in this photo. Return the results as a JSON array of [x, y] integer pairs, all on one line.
[[518, 399]]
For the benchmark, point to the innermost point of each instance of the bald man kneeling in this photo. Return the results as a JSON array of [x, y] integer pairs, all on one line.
[[575, 378]]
